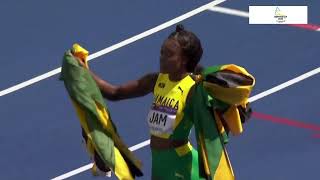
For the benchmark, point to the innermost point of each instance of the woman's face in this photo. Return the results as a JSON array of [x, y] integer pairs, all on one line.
[[171, 59]]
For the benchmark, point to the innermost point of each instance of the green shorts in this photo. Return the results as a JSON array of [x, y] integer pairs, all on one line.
[[175, 164]]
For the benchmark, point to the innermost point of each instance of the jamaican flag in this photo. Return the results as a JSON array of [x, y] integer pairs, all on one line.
[[219, 105], [102, 140]]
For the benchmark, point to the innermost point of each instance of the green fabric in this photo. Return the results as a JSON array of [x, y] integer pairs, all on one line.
[[211, 69], [182, 131], [168, 165], [199, 111], [202, 106], [205, 127], [84, 91]]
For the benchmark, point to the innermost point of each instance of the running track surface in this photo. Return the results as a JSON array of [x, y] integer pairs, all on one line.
[[40, 135]]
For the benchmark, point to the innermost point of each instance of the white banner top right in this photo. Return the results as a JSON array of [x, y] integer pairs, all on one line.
[[278, 14]]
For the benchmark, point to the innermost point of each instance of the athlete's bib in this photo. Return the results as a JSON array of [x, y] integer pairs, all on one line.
[[161, 119], [166, 111]]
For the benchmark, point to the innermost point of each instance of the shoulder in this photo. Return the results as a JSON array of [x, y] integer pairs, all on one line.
[[148, 81]]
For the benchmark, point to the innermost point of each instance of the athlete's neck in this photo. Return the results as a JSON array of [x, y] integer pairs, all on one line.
[[177, 77]]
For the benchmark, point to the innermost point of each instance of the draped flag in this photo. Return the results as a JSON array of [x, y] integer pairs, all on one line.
[[219, 105], [102, 140]]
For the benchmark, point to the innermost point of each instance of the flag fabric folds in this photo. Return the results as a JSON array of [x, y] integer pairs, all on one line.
[[219, 104], [99, 131]]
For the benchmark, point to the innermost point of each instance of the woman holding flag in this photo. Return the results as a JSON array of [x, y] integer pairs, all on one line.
[[214, 102]]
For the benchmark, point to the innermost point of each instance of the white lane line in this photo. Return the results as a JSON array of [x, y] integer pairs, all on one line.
[[252, 99], [29, 82], [285, 84], [118, 45], [140, 145], [230, 11], [74, 172], [157, 28], [89, 166]]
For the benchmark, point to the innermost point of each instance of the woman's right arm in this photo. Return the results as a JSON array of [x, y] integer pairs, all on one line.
[[131, 89]]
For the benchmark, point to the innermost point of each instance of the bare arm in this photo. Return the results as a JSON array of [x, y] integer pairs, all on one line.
[[131, 89]]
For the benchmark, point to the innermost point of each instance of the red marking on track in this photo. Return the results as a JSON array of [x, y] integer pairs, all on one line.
[[316, 136], [288, 122], [312, 27]]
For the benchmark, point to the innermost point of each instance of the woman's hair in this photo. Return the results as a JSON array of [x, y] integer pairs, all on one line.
[[190, 45]]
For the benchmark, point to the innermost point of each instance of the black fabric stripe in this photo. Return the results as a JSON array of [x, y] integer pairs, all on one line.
[[227, 78]]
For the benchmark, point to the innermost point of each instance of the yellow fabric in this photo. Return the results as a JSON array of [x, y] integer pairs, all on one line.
[[237, 69], [81, 115], [94, 170], [224, 170], [236, 95], [121, 168], [172, 91], [183, 150], [204, 155], [231, 95], [233, 120], [81, 53], [104, 117]]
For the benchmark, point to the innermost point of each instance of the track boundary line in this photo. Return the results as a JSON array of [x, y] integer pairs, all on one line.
[[252, 99], [116, 46]]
